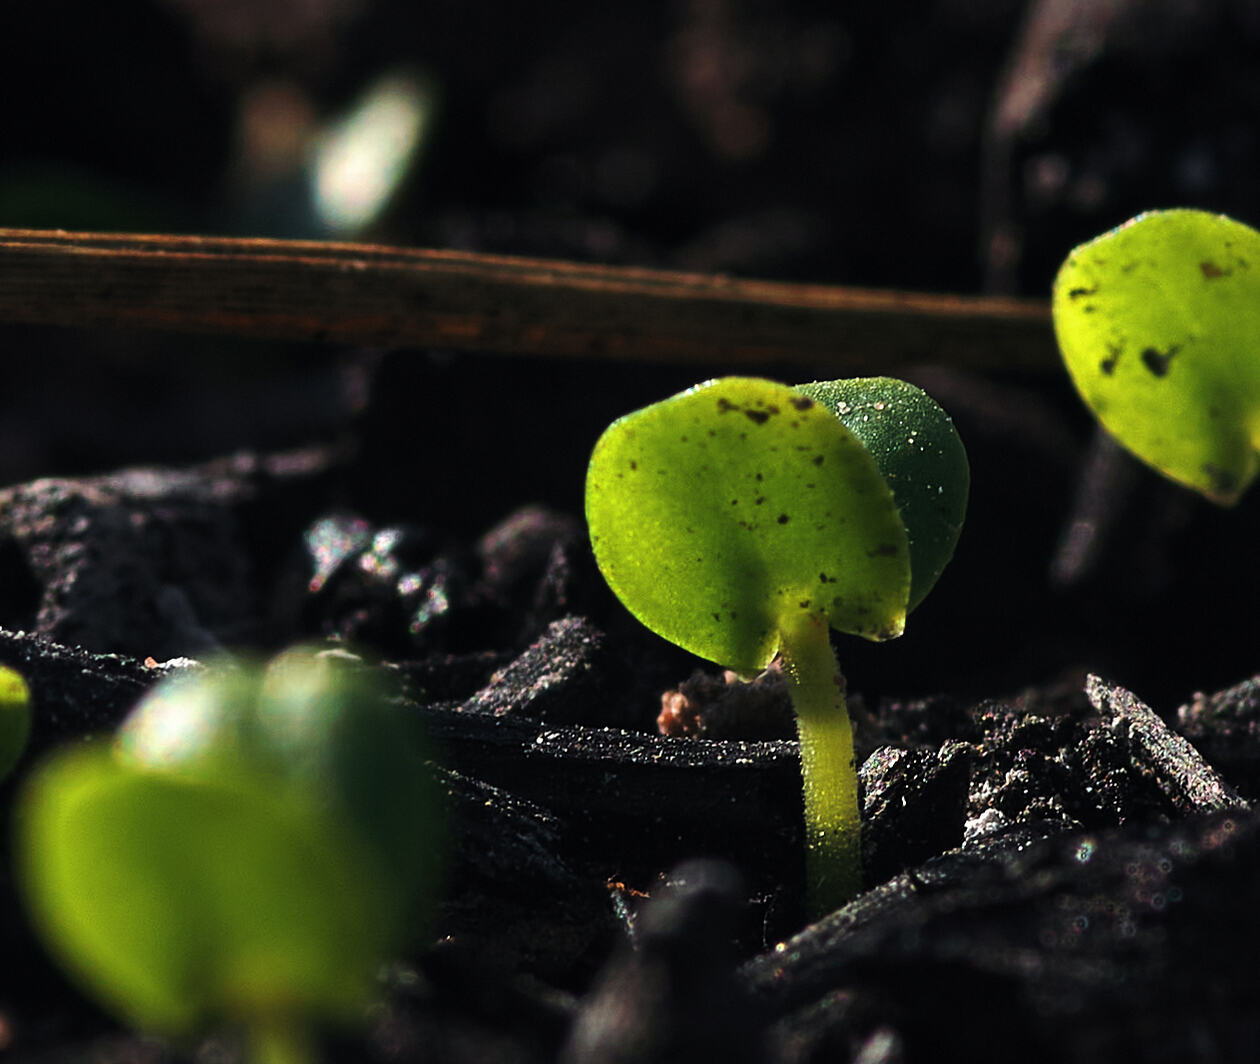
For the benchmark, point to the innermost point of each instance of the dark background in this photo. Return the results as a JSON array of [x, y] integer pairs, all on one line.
[[950, 146]]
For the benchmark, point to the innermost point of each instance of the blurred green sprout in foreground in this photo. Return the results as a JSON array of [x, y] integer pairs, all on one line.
[[246, 851]]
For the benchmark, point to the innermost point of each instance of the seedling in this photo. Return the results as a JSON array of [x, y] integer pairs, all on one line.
[[743, 519], [15, 718], [1158, 322], [244, 851]]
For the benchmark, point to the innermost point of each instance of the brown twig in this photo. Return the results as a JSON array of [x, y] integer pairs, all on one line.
[[359, 294]]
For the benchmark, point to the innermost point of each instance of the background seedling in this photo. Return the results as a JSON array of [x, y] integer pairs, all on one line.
[[1158, 322], [245, 851], [742, 519], [15, 718]]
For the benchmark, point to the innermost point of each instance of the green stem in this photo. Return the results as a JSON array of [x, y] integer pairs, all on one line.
[[833, 828], [281, 1040]]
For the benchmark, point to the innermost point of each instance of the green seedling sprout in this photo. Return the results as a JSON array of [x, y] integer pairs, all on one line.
[[15, 718], [743, 519], [245, 851], [1158, 323]]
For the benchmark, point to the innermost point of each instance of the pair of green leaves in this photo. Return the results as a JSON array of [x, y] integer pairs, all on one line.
[[721, 514], [1159, 322], [245, 850]]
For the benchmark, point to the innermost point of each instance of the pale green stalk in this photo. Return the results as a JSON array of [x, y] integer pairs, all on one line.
[[833, 828]]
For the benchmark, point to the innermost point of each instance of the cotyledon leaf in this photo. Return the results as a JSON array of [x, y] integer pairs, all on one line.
[[15, 718], [721, 513], [180, 900], [308, 721], [1158, 322], [918, 451]]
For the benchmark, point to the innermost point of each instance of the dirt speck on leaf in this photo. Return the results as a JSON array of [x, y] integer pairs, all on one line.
[[1158, 361]]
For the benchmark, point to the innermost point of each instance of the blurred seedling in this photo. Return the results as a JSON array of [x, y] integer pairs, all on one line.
[[246, 851], [1158, 322], [743, 519], [15, 718]]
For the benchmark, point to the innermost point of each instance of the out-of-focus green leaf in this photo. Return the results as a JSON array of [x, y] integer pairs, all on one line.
[[1159, 325], [314, 723], [15, 718], [178, 902], [247, 849]]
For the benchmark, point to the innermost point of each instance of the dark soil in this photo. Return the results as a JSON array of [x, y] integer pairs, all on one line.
[[1061, 858], [1058, 757]]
